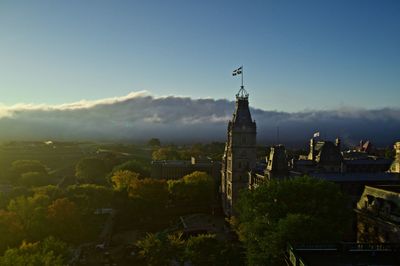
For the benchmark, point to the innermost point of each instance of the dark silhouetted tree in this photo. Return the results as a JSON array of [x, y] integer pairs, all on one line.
[[302, 209]]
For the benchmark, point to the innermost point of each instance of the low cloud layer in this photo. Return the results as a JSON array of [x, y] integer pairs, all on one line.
[[140, 116]]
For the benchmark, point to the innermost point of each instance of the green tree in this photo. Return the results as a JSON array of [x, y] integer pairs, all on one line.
[[161, 249], [154, 142], [89, 197], [25, 166], [193, 193], [166, 153], [35, 179], [134, 166], [65, 220], [10, 230], [91, 170], [302, 209], [203, 250], [49, 252], [124, 181], [153, 195], [145, 203], [50, 191], [30, 213]]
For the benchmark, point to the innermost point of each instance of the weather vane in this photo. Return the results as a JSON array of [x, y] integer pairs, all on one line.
[[242, 92]]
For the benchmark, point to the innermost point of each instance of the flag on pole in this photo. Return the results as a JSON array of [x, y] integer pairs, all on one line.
[[237, 71], [316, 134]]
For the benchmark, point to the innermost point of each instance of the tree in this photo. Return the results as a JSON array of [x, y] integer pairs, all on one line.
[[30, 213], [124, 180], [91, 170], [50, 191], [173, 249], [20, 167], [49, 252], [166, 153], [89, 197], [25, 166], [134, 166], [10, 230], [154, 142], [161, 249], [64, 219], [145, 202], [193, 193], [203, 250], [35, 179], [153, 194], [302, 209]]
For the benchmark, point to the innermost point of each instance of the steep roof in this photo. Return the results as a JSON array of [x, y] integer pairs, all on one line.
[[242, 116]]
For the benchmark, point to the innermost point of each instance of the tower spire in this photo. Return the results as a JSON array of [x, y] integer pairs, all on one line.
[[240, 150]]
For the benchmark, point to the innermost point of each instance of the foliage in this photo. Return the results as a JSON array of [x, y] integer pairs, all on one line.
[[64, 220], [163, 249], [25, 166], [10, 230], [151, 190], [141, 201], [50, 191], [141, 168], [166, 153], [35, 179], [154, 142], [213, 150], [295, 210], [28, 173], [89, 197], [195, 192], [203, 250], [49, 252], [91, 170], [124, 180], [30, 213]]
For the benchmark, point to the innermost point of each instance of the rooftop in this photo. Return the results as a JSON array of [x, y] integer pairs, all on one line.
[[346, 254], [354, 177], [391, 188]]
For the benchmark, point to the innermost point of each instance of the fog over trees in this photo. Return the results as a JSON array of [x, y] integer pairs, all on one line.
[[137, 116]]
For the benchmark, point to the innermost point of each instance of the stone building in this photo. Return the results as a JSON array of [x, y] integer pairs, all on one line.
[[240, 153], [326, 155], [276, 167], [342, 254], [378, 215], [395, 167]]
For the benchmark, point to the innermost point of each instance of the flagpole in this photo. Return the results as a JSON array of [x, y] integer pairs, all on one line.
[[242, 78]]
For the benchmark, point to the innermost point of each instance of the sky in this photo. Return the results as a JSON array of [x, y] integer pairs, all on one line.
[[297, 55]]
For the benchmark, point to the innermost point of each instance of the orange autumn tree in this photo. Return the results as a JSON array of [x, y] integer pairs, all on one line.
[[64, 218]]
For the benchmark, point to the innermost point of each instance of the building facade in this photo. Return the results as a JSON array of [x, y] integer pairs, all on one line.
[[395, 167], [276, 167], [378, 215], [240, 153]]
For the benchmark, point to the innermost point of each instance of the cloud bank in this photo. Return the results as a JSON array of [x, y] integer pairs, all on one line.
[[140, 116]]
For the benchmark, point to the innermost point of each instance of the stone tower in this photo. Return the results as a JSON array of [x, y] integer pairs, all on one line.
[[240, 153], [395, 167]]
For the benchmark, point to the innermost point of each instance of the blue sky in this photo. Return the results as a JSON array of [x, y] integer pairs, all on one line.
[[297, 55]]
